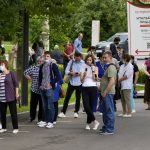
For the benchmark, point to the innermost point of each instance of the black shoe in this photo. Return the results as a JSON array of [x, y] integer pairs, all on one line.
[[147, 109]]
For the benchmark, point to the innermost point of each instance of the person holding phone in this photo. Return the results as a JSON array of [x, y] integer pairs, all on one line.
[[89, 74], [73, 85], [8, 96]]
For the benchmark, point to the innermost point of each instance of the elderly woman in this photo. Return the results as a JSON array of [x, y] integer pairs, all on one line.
[[8, 96], [125, 76]]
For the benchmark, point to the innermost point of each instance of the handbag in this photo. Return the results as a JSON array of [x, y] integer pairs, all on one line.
[[66, 76], [62, 93]]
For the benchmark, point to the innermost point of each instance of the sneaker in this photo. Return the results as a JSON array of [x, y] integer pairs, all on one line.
[[87, 127], [61, 115], [15, 131], [106, 133], [76, 115], [127, 116], [41, 122], [54, 122], [0, 126], [49, 125], [134, 111], [3, 130], [120, 115], [42, 125], [96, 124]]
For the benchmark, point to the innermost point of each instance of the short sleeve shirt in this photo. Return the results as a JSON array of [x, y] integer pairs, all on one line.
[[111, 72]]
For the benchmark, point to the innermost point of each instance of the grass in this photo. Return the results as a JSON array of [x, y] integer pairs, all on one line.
[[140, 88]]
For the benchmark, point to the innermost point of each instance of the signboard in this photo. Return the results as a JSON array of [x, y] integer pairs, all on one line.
[[139, 27], [95, 32]]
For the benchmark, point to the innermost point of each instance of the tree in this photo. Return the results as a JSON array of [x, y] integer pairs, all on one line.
[[111, 13]]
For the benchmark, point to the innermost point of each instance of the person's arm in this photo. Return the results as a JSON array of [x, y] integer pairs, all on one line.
[[27, 73], [136, 78], [76, 47]]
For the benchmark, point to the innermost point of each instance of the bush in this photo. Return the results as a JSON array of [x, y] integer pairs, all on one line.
[[142, 77]]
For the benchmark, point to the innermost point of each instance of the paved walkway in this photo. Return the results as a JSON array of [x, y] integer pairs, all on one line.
[[69, 134]]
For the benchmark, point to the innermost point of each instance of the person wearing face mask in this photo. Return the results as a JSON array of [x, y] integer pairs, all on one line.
[[8, 96], [48, 77], [32, 73], [125, 77], [89, 75]]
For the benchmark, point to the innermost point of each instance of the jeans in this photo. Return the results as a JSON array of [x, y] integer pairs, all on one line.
[[108, 113], [48, 106]]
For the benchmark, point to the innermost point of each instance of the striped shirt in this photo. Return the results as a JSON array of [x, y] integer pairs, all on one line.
[[33, 72], [2, 88]]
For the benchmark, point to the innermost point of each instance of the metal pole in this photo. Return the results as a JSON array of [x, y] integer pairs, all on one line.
[[25, 57]]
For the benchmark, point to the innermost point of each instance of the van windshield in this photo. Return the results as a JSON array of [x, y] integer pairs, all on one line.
[[123, 37]]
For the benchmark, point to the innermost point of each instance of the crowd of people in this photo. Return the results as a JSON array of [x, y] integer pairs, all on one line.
[[97, 82]]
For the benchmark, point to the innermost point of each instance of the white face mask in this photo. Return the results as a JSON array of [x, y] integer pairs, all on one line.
[[47, 60], [2, 68]]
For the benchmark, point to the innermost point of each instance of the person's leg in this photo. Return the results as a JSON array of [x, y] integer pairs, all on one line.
[[56, 111], [44, 105], [78, 97], [109, 113], [87, 106], [33, 105], [127, 96], [13, 112], [50, 106], [123, 102], [69, 92], [3, 114], [132, 101], [40, 113]]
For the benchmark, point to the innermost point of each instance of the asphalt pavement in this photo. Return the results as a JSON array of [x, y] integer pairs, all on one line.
[[69, 133]]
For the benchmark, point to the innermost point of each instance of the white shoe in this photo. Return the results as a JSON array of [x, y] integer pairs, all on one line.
[[76, 115], [49, 125], [134, 111], [54, 122], [15, 131], [42, 125], [127, 116], [0, 126], [3, 130], [96, 124], [87, 127], [41, 122], [61, 115]]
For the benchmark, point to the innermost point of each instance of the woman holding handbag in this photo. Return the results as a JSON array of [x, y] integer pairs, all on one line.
[[8, 95], [89, 75]]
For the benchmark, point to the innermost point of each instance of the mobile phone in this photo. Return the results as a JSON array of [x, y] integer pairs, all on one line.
[[85, 69], [76, 73]]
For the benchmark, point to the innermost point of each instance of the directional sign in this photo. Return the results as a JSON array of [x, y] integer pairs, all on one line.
[[139, 27]]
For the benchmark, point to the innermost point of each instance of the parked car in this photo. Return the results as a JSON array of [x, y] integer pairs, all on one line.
[[101, 46]]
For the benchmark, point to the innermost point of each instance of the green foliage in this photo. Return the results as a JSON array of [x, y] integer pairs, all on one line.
[[142, 77], [111, 13]]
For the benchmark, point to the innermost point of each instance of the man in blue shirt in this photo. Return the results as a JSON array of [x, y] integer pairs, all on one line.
[[74, 84], [78, 43]]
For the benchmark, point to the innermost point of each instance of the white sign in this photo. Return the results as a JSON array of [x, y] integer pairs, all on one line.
[[139, 29], [95, 32]]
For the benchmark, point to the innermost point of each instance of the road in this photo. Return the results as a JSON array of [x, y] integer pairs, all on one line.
[[69, 134]]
